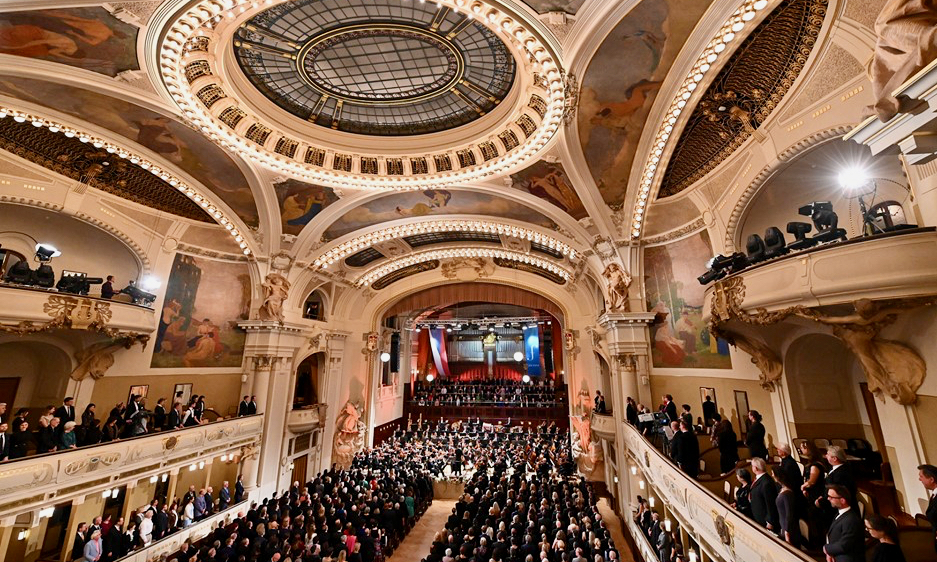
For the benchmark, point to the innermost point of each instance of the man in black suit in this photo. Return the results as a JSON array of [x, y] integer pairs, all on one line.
[[846, 539], [175, 417], [755, 438], [238, 490], [252, 406], [224, 497], [160, 523], [244, 406], [687, 454], [764, 496], [839, 475], [631, 412], [66, 412], [927, 474], [81, 537], [670, 408], [709, 411], [4, 441], [789, 465]]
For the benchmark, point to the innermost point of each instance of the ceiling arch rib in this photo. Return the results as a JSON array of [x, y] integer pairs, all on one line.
[[118, 147]]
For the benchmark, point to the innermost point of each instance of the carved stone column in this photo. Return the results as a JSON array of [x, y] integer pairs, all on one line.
[[628, 340]]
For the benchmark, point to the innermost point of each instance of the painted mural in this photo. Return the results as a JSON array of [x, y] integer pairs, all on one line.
[[550, 182], [88, 38], [300, 202], [680, 337], [198, 324], [192, 152], [621, 83], [433, 202]]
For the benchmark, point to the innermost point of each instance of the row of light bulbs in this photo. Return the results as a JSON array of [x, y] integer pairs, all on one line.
[[216, 213], [420, 257], [367, 240], [727, 33], [191, 23]]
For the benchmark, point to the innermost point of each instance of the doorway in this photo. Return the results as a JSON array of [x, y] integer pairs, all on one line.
[[8, 386], [299, 469]]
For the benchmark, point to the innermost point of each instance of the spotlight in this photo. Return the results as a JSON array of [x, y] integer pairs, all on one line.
[[800, 230], [138, 295], [150, 283], [526, 378], [491, 328], [824, 220], [45, 252], [385, 357], [774, 242], [853, 178], [76, 283], [518, 356], [429, 378], [20, 273], [755, 248]]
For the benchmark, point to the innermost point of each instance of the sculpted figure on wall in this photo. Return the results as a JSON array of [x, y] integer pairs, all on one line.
[[349, 434], [586, 448], [767, 361], [96, 359], [276, 289], [618, 282], [907, 42]]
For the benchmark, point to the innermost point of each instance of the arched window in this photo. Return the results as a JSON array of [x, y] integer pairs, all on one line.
[[9, 258], [314, 307], [887, 214]]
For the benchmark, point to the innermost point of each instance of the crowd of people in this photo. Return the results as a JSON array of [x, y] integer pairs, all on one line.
[[61, 428], [821, 491], [488, 392], [106, 538], [507, 515], [458, 449]]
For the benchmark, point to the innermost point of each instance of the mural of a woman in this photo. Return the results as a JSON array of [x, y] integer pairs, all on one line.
[[204, 346], [438, 198]]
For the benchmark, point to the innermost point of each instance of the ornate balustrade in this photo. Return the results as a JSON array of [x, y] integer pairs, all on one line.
[[32, 309], [603, 425], [721, 532], [33, 482], [193, 533], [884, 267], [307, 418]]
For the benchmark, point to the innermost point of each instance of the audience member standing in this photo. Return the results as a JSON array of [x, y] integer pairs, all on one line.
[[46, 439], [789, 465], [687, 449], [159, 415], [66, 412], [19, 441], [93, 548], [224, 497], [81, 537], [4, 441], [244, 406], [631, 412], [927, 474], [107, 288], [709, 411], [669, 407], [727, 441], [743, 502], [764, 496], [252, 406], [846, 539], [755, 438], [885, 532], [788, 504], [238, 490]]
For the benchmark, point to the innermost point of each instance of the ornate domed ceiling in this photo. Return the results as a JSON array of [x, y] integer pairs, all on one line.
[[377, 68]]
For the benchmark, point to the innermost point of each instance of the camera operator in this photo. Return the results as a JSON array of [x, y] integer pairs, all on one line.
[[107, 289]]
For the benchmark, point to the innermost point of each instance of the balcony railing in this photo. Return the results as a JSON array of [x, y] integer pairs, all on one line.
[[603, 425], [305, 419], [721, 532], [885, 266], [35, 481], [41, 307]]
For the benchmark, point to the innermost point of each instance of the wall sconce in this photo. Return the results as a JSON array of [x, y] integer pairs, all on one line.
[[224, 458], [668, 524], [106, 494], [694, 557], [641, 484], [192, 467], [634, 470], [154, 479], [46, 512], [23, 535], [115, 492], [201, 465], [616, 480], [651, 501], [165, 477]]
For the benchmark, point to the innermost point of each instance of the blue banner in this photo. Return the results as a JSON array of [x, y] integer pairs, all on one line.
[[532, 350]]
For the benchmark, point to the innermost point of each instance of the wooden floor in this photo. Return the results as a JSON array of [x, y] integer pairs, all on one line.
[[418, 543]]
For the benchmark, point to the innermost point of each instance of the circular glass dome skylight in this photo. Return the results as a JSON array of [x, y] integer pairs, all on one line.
[[376, 67]]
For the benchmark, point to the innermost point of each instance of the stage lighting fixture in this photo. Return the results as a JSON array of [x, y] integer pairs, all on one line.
[[518, 356], [45, 252], [20, 273], [800, 230], [755, 248], [429, 378], [385, 357], [774, 242], [710, 276], [526, 378], [491, 328], [150, 283], [44, 276], [76, 283], [853, 178], [825, 220], [139, 296]]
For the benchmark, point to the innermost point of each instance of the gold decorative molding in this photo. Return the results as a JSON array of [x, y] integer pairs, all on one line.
[[891, 367]]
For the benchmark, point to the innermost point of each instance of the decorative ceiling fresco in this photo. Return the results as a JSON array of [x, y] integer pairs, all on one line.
[[300, 202], [188, 149], [95, 167], [433, 202], [621, 83], [550, 182], [88, 38], [748, 88], [544, 6]]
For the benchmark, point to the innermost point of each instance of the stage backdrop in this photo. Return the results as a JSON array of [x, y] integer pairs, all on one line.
[[198, 322], [679, 336]]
